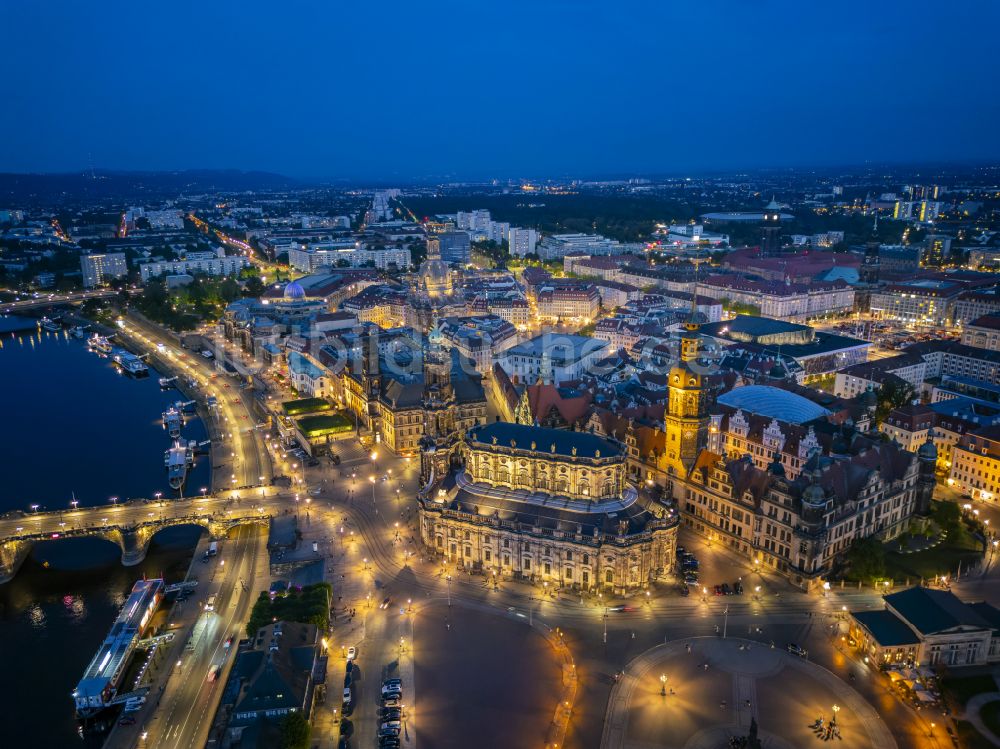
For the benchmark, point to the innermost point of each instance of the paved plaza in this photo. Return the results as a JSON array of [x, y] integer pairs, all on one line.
[[715, 686], [483, 679]]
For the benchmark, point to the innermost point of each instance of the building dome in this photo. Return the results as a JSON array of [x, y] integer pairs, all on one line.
[[766, 400], [435, 277], [294, 290], [927, 451]]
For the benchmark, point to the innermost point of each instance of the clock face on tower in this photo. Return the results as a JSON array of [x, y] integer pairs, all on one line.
[[688, 434]]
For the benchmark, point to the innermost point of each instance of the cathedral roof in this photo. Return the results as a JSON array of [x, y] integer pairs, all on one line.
[[586, 445]]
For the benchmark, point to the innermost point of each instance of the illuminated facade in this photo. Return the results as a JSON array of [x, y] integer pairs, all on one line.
[[686, 419], [546, 505]]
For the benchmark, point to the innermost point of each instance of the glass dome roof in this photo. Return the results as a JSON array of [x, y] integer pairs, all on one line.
[[774, 402]]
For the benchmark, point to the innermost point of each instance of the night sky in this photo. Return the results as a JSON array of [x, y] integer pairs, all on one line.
[[482, 88]]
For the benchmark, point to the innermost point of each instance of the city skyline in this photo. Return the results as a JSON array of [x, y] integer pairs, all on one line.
[[564, 90]]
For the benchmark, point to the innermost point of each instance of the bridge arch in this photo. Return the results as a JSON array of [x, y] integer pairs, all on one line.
[[133, 540]]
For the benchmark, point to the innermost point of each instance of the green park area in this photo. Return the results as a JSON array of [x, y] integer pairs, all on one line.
[[943, 544], [305, 406], [324, 424], [310, 605]]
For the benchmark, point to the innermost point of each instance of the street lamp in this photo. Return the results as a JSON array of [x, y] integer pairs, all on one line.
[[836, 709], [663, 685], [114, 500], [158, 495], [34, 508], [74, 503], [203, 491]]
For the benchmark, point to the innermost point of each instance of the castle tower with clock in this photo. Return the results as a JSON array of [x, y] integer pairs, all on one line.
[[686, 419]]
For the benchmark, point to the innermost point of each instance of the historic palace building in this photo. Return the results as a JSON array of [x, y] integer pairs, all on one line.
[[797, 526], [545, 505], [401, 408]]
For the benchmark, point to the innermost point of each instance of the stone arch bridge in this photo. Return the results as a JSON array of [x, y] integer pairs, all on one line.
[[130, 525]]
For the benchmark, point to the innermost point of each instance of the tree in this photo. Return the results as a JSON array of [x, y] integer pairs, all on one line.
[[867, 558], [254, 286], [295, 730], [894, 393], [948, 517]]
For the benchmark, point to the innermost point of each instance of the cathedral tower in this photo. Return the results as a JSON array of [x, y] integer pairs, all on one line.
[[686, 419]]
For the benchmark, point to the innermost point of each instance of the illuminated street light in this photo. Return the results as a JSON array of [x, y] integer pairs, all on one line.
[[663, 685]]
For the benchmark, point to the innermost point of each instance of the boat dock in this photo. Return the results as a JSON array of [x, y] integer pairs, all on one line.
[[99, 685]]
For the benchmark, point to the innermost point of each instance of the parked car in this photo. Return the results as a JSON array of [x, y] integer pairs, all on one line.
[[796, 650], [726, 590], [347, 695], [718, 590], [738, 588]]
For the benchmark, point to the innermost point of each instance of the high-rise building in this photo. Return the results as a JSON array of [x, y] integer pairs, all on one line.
[[522, 241], [455, 246], [98, 270]]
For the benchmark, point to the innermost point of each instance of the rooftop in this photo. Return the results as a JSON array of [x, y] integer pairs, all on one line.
[[931, 611], [551, 441], [774, 402], [887, 628]]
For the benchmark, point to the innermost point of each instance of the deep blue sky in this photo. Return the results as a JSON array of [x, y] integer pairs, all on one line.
[[386, 89]]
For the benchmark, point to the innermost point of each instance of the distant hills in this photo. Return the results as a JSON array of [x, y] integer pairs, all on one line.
[[40, 189]]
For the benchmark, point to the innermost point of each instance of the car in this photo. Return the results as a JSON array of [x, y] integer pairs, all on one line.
[[388, 742], [391, 702], [128, 720], [718, 590], [390, 727], [352, 653], [680, 552], [738, 588], [213, 673], [392, 694], [691, 579], [392, 685], [621, 608], [229, 642], [797, 650], [726, 590], [391, 713], [684, 590], [347, 695], [385, 602]]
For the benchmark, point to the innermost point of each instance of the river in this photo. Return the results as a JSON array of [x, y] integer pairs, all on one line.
[[74, 427]]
